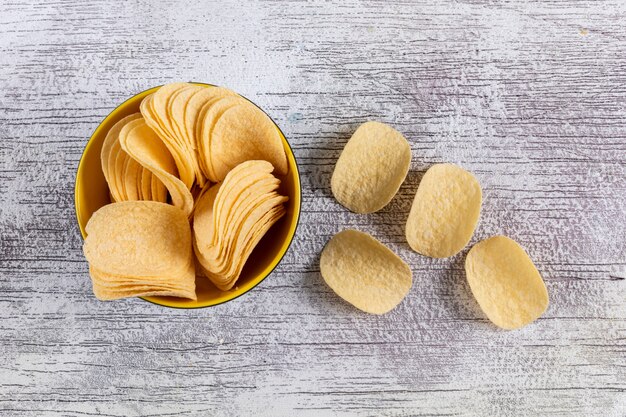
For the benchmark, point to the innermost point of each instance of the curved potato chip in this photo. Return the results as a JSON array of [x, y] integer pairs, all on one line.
[[139, 239], [245, 133], [146, 184], [209, 114], [142, 143], [181, 155], [120, 173], [160, 105], [240, 179], [196, 103], [158, 190], [132, 176], [371, 168], [248, 206], [110, 141], [226, 278], [364, 272], [505, 282], [445, 211], [176, 110]]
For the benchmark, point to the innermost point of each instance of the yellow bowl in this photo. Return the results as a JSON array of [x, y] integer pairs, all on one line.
[[92, 192]]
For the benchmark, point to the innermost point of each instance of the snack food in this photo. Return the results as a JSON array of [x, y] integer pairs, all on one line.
[[505, 282], [139, 141], [364, 272], [230, 218], [371, 168], [158, 154], [125, 175], [445, 211], [137, 248]]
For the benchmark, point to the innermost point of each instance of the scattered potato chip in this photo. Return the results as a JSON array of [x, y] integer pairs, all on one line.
[[445, 211], [371, 168], [232, 217], [505, 282], [364, 272], [141, 142], [137, 248]]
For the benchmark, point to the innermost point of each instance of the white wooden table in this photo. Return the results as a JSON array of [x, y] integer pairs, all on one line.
[[530, 96]]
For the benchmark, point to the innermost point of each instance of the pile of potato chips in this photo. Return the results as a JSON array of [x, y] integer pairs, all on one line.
[[442, 220], [193, 153]]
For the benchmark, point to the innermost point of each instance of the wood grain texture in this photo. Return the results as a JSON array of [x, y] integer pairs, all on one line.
[[530, 96]]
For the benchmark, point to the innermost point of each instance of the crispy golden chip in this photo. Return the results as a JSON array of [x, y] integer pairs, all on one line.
[[182, 156], [138, 238], [158, 190], [249, 207], [364, 272], [110, 142], [132, 176], [112, 281], [142, 143], [115, 189], [241, 182], [120, 172], [505, 282], [225, 279], [248, 235], [445, 211], [146, 184], [176, 109], [371, 168], [160, 105], [196, 103], [209, 114], [105, 293], [245, 133]]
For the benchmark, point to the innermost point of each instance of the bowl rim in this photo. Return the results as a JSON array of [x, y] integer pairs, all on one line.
[[293, 229]]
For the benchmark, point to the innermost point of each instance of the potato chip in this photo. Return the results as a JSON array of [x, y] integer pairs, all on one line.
[[142, 143], [364, 272], [146, 184], [160, 105], [445, 211], [196, 103], [242, 182], [176, 109], [158, 190], [245, 133], [110, 142], [138, 238], [371, 168], [505, 282], [131, 178], [226, 278], [120, 173], [232, 217], [138, 248], [209, 114], [181, 155]]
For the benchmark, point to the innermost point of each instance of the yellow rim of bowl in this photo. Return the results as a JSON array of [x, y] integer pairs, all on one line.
[[284, 247]]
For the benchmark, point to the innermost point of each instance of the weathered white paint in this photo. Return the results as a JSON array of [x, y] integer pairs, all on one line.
[[530, 96]]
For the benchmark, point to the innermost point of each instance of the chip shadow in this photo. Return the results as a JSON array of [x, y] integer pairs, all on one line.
[[456, 295], [388, 224], [323, 157]]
